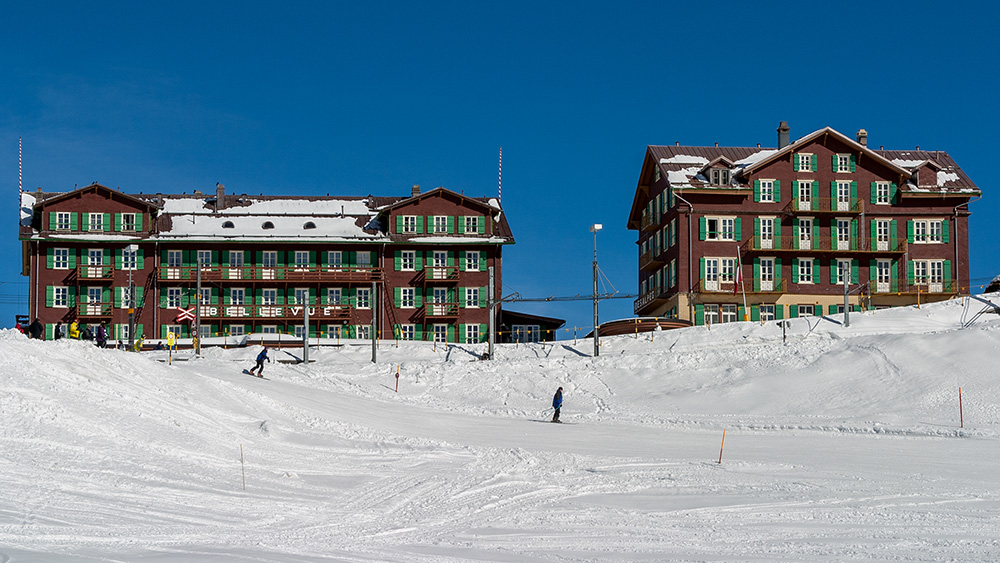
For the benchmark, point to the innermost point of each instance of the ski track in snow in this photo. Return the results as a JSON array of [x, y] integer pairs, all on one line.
[[842, 444]]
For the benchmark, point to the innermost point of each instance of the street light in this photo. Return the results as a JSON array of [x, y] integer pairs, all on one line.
[[594, 228]]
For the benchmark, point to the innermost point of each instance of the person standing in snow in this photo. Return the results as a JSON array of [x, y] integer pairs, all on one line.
[[260, 363], [35, 330], [102, 336], [557, 404], [19, 328], [74, 330], [57, 332]]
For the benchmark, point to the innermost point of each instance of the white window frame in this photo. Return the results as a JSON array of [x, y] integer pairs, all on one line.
[[128, 222], [843, 162], [803, 308], [60, 296], [472, 335], [64, 221], [204, 258], [711, 314], [95, 252], [725, 229], [935, 231], [720, 176], [334, 295], [335, 259], [269, 259], [806, 234], [472, 224], [364, 258], [728, 313], [174, 297], [407, 260], [269, 296], [60, 258], [363, 298], [805, 162], [334, 331], [472, 298], [472, 258], [95, 221], [175, 329], [241, 292], [203, 300], [767, 191], [440, 224], [130, 258], [301, 295], [301, 260], [235, 258], [269, 329], [409, 224], [407, 298], [766, 313], [843, 238], [407, 332], [766, 232], [126, 297], [806, 271], [842, 265], [236, 330], [882, 193]]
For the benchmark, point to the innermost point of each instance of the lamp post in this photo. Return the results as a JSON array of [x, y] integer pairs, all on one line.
[[594, 228]]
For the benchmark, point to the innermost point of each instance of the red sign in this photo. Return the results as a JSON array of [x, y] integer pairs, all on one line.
[[185, 314]]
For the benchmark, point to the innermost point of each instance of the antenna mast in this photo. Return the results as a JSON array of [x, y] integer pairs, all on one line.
[[500, 177]]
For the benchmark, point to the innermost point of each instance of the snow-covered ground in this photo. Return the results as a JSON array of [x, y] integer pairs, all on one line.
[[842, 444]]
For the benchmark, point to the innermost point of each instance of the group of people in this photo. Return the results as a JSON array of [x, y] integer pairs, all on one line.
[[76, 331], [33, 330]]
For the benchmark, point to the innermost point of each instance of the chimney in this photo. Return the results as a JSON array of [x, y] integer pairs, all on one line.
[[783, 134], [220, 196], [415, 190], [862, 137]]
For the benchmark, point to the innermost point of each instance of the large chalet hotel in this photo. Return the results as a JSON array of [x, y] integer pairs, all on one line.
[[418, 265], [733, 233]]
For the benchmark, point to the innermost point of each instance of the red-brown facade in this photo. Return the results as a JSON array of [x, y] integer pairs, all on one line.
[[729, 233]]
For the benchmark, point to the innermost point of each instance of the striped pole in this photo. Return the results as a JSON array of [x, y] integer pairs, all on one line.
[[500, 177]]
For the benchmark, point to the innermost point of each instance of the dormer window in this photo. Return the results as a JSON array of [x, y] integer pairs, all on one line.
[[309, 225], [267, 225], [228, 225], [720, 177]]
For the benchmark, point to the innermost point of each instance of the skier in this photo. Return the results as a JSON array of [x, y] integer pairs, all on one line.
[[557, 404], [102, 336], [260, 363], [74, 330], [35, 330]]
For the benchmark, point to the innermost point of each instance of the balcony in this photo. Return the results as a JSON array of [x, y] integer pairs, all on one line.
[[799, 245], [95, 273], [441, 310], [653, 297], [650, 260], [750, 285], [317, 274], [93, 309], [822, 205], [649, 222], [320, 313], [904, 287], [439, 274]]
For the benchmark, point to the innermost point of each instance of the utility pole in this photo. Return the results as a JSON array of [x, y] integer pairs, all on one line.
[[491, 301], [197, 313], [597, 352], [374, 335], [305, 330], [847, 302], [131, 300]]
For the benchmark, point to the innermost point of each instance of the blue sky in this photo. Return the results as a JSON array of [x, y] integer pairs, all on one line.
[[372, 97]]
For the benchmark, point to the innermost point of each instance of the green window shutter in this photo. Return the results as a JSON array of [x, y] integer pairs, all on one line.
[[399, 224], [482, 297], [873, 234], [895, 272], [815, 161], [755, 313], [756, 230], [71, 296], [118, 298], [832, 309], [106, 261], [118, 258], [106, 222], [702, 227], [833, 271], [85, 225], [795, 189], [909, 231], [215, 257], [756, 190], [451, 333], [50, 331], [699, 314], [451, 258], [834, 166], [482, 261], [351, 258], [50, 257], [815, 193], [945, 230], [463, 263], [741, 313], [52, 220], [779, 310], [106, 295], [481, 224], [398, 260], [140, 259], [138, 222], [451, 224], [215, 296], [893, 193], [73, 221], [418, 298], [738, 228], [163, 332], [854, 270], [227, 297], [816, 271], [461, 302], [138, 296], [756, 274], [795, 162], [795, 235], [854, 163], [793, 311], [909, 272], [948, 281], [418, 260], [50, 295], [833, 192], [118, 222], [892, 233], [777, 230], [482, 333], [815, 235], [420, 224], [461, 333], [777, 191], [872, 270], [854, 191], [398, 296], [795, 270], [312, 259], [701, 268], [874, 193]]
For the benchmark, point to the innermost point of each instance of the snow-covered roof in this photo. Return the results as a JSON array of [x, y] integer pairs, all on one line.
[[269, 206]]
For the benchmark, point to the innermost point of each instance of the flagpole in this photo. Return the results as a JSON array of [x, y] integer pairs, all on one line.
[[743, 285]]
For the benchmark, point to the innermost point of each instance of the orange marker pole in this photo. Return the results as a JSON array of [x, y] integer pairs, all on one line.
[[397, 379], [723, 445], [961, 418]]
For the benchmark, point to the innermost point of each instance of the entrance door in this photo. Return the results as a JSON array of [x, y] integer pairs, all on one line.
[[94, 300], [883, 278], [711, 274], [766, 234], [843, 234], [805, 196], [882, 235], [843, 196], [767, 274], [440, 297]]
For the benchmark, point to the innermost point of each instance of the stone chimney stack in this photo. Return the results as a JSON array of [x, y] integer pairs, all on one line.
[[862, 137], [783, 134], [415, 190], [220, 196]]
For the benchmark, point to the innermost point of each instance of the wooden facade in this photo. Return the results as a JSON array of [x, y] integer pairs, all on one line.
[[786, 226], [416, 268]]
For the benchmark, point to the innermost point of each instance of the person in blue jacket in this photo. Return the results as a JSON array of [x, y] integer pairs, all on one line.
[[260, 363], [557, 404]]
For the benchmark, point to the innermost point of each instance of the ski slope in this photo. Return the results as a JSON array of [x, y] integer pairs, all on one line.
[[841, 444]]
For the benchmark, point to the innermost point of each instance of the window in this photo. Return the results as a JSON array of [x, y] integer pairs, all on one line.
[[407, 260], [806, 270], [237, 296], [767, 191], [719, 228], [843, 163], [129, 258], [364, 259], [333, 295], [728, 313], [236, 330], [172, 329], [767, 312], [126, 300], [440, 259], [364, 298], [60, 258], [206, 296], [767, 274], [804, 162], [407, 332], [843, 234], [335, 259], [920, 231], [235, 258], [333, 331], [919, 272], [269, 297], [766, 232], [95, 257], [173, 297], [720, 177], [302, 296], [228, 225], [472, 260], [471, 297], [882, 193], [805, 232], [299, 331], [407, 298], [95, 221], [60, 296], [128, 222], [364, 332], [301, 260], [269, 329], [267, 225], [309, 225], [935, 230], [269, 258], [204, 258], [527, 333], [440, 223], [806, 310], [63, 221], [711, 314], [409, 223], [472, 335], [472, 225], [843, 269]]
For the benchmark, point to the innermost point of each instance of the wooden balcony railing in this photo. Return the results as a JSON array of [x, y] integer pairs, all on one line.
[[785, 243], [441, 310], [95, 272], [265, 273], [824, 205], [749, 285]]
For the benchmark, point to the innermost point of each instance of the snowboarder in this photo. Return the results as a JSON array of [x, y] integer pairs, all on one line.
[[74, 330], [35, 330], [260, 363], [102, 336], [557, 404], [57, 333]]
